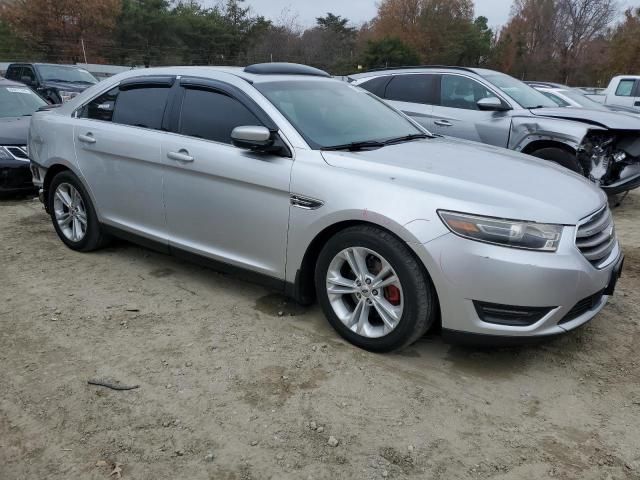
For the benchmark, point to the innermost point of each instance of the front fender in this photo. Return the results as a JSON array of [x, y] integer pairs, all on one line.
[[526, 130]]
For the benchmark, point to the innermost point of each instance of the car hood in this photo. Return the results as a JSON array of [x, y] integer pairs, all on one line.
[[611, 120], [66, 86], [14, 130], [480, 179]]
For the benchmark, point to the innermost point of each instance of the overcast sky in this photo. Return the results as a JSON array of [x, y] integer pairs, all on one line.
[[359, 11]]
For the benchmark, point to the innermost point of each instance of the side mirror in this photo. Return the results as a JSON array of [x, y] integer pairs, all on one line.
[[252, 138], [27, 81], [492, 104]]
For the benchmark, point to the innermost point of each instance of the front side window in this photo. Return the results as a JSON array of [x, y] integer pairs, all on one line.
[[462, 92], [523, 94], [27, 72], [213, 116], [18, 101], [413, 88], [625, 88], [329, 113]]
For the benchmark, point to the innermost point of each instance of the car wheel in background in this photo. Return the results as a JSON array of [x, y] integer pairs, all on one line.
[[373, 289], [73, 215], [561, 157]]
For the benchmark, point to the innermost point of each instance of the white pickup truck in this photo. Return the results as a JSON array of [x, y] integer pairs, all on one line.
[[623, 90]]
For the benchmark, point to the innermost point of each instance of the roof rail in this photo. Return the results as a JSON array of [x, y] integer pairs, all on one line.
[[411, 67], [282, 68]]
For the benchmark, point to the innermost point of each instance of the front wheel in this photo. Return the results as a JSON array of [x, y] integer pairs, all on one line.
[[373, 290], [561, 157]]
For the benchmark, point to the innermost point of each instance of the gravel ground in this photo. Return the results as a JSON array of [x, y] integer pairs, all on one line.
[[237, 383]]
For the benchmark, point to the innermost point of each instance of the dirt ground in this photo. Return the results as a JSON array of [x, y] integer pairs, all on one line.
[[230, 389]]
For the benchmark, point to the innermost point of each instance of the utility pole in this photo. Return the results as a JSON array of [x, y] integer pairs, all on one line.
[[84, 52]]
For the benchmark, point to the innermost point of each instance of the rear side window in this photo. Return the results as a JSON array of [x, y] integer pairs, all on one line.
[[102, 107], [413, 88], [141, 107], [212, 116], [376, 86], [625, 88]]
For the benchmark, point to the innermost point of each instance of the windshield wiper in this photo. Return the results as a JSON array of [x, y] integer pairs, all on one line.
[[355, 146], [407, 138]]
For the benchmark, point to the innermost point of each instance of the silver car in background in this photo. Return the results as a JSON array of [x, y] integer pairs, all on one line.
[[322, 190], [491, 107]]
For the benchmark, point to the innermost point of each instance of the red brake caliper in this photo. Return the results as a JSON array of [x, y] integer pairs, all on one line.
[[392, 294]]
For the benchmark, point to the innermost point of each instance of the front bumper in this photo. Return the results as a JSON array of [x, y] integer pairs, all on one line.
[[15, 177], [464, 271]]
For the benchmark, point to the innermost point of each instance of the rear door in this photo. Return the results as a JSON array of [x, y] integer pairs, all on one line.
[[223, 202], [458, 114], [414, 94], [118, 138]]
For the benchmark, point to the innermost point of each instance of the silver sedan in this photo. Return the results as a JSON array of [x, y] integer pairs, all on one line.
[[320, 189]]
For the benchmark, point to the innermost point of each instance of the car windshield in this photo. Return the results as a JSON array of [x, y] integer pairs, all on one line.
[[581, 99], [60, 73], [18, 101], [559, 101], [523, 94], [332, 113]]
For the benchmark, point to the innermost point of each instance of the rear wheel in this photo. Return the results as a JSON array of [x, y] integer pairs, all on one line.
[[73, 215], [559, 156], [373, 290]]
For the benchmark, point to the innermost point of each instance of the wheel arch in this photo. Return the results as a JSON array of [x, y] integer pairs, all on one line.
[[540, 144]]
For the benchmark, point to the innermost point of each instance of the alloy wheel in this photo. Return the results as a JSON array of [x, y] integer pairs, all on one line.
[[70, 212], [365, 292]]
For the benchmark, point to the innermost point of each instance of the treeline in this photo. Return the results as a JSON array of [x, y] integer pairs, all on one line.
[[573, 41]]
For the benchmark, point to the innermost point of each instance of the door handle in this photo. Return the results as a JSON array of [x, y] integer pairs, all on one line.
[[87, 138], [180, 156], [443, 123]]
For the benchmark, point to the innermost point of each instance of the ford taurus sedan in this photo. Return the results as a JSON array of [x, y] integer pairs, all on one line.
[[320, 189]]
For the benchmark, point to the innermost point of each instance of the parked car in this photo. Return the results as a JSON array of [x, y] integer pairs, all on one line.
[[324, 191], [623, 90], [17, 104], [56, 83], [565, 96], [494, 108]]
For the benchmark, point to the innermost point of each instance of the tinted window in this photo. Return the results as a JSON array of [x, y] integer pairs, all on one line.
[[141, 107], [212, 116], [101, 108], [412, 88], [463, 92], [28, 72], [625, 88], [13, 73], [376, 86]]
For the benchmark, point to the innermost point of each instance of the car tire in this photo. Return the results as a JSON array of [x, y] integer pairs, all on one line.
[[559, 156], [418, 300], [92, 237]]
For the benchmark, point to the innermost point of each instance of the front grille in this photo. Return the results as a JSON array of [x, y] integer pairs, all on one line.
[[596, 237], [582, 307], [18, 152]]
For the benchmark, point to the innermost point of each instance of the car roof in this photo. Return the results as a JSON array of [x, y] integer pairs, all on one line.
[[38, 64], [421, 69], [240, 72]]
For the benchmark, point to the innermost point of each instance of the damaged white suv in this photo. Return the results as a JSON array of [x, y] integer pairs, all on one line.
[[491, 107]]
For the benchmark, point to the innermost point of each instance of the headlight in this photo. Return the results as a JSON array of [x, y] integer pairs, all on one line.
[[509, 233], [66, 96]]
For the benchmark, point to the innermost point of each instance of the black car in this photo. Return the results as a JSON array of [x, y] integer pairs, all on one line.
[[17, 103], [55, 83]]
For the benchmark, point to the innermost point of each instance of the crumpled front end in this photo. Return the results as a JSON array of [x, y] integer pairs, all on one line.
[[611, 160]]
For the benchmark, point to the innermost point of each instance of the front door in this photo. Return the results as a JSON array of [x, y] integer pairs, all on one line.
[[458, 114], [225, 203], [117, 138]]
